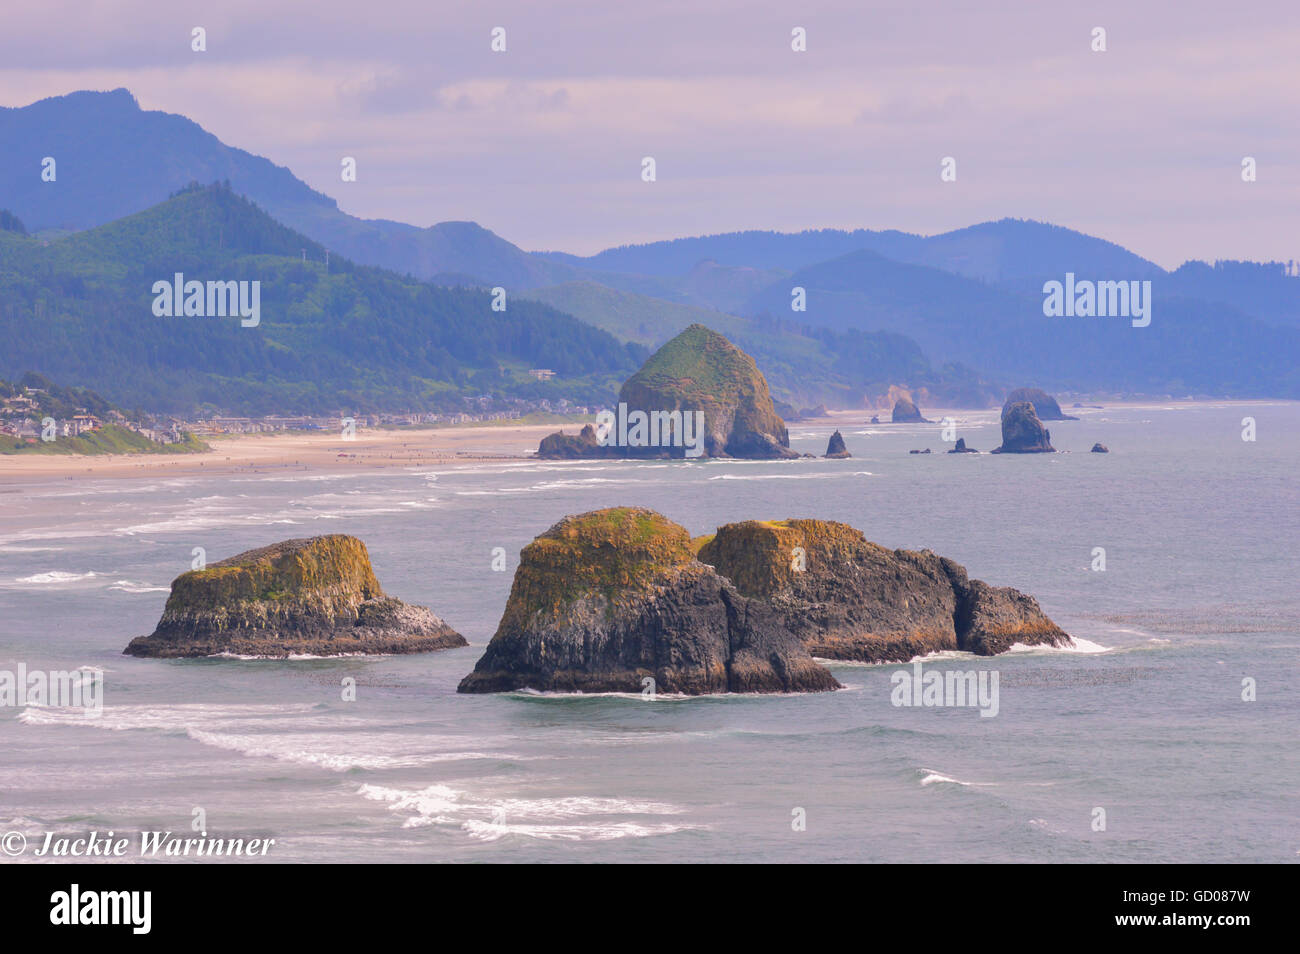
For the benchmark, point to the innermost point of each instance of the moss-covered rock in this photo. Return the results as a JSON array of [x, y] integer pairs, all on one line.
[[315, 596], [700, 370], [848, 598], [603, 601]]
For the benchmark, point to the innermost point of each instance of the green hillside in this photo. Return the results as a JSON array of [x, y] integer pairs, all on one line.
[[342, 335]]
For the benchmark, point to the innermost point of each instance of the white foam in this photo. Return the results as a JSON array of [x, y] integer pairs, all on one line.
[[856, 473], [56, 577]]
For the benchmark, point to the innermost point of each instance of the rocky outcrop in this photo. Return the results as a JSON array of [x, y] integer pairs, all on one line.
[[604, 601], [906, 412], [699, 371], [312, 597], [1100, 449], [926, 451], [584, 444], [814, 412], [1023, 432], [961, 448], [848, 598], [835, 448], [1045, 405]]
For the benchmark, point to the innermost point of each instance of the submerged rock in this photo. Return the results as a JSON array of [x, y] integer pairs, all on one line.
[[603, 601], [906, 412], [1023, 432], [315, 596], [926, 451], [848, 598], [835, 447], [1045, 406], [1100, 449], [699, 373]]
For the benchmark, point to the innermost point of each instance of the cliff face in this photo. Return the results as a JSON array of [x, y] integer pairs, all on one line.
[[1023, 432], [700, 370], [1045, 405], [605, 600], [848, 598], [315, 596]]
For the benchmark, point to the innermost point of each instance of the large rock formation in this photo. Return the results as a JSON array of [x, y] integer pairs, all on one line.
[[906, 412], [603, 601], [584, 444], [699, 371], [312, 597], [835, 449], [848, 598], [1023, 432], [1045, 405]]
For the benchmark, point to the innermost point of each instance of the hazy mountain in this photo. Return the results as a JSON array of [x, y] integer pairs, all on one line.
[[1191, 345], [803, 365], [115, 159], [1004, 251], [81, 309]]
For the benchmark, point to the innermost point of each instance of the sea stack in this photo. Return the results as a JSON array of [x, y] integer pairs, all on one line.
[[906, 412], [1045, 406], [315, 596], [848, 598], [702, 375], [1100, 449], [961, 448], [615, 601], [1023, 432], [835, 449]]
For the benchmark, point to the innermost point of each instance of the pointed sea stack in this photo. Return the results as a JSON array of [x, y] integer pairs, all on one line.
[[848, 598], [906, 412], [835, 449], [317, 597], [1023, 432], [603, 601]]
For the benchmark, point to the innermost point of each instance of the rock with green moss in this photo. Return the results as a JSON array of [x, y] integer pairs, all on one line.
[[317, 596], [697, 371], [615, 601], [848, 598]]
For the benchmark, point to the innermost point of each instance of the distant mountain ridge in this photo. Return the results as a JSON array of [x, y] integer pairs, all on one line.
[[970, 296]]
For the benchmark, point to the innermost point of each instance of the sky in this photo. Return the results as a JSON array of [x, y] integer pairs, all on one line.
[[543, 143]]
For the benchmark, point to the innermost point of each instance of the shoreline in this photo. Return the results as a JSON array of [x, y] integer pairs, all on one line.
[[312, 452]]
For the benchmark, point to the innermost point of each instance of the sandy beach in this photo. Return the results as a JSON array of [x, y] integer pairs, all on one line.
[[295, 451]]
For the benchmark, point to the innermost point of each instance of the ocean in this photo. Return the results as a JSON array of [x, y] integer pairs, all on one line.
[[1137, 746]]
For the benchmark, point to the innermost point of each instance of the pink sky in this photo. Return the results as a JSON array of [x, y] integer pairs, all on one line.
[[543, 143]]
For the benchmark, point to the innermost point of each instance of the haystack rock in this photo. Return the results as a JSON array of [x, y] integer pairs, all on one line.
[[906, 412], [300, 597], [698, 371], [1023, 432], [1045, 405], [848, 598], [835, 448], [609, 600]]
